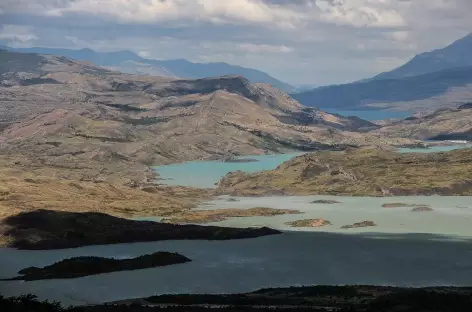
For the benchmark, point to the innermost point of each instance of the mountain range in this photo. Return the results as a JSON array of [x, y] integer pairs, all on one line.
[[440, 78], [129, 62], [70, 114]]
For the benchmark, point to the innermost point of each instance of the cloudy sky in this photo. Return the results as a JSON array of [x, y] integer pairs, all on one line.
[[298, 41]]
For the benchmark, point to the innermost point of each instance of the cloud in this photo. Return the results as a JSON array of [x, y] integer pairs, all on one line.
[[301, 41], [17, 34], [264, 48]]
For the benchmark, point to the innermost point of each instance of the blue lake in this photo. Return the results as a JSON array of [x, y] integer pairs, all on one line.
[[435, 149], [205, 174], [369, 114]]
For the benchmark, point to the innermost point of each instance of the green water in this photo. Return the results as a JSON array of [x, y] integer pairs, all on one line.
[[435, 149], [204, 174]]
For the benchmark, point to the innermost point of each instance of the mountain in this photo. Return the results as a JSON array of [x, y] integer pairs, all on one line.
[[82, 138], [455, 55], [423, 92], [441, 78], [129, 62], [72, 114], [443, 124]]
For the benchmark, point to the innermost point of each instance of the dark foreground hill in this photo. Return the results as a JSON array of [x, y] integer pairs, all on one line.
[[301, 299]]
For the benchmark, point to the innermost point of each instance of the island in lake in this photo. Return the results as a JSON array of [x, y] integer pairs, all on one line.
[[48, 229], [402, 205], [422, 209], [85, 266], [314, 223], [359, 225], [208, 216], [325, 201]]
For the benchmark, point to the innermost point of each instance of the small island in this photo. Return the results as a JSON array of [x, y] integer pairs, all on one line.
[[325, 201], [240, 160], [402, 205], [47, 229], [359, 225], [208, 216], [314, 223], [85, 266], [422, 209]]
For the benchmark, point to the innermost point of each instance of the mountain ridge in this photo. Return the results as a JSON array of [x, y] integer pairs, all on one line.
[[429, 81], [130, 62], [457, 54]]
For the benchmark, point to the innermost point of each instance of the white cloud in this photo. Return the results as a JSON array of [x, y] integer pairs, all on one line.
[[360, 13], [17, 34], [264, 48], [401, 36], [301, 41]]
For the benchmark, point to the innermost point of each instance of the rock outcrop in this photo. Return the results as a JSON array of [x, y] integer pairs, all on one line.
[[359, 225], [325, 202], [208, 216], [360, 172], [314, 223]]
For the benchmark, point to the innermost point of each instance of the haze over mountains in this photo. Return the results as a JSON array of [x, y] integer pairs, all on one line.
[[129, 62], [441, 78]]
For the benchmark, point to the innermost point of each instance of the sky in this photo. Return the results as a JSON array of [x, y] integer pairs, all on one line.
[[312, 42]]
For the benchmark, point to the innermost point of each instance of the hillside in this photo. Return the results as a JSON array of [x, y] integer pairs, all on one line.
[[431, 80], [443, 124], [129, 62], [454, 55], [61, 106], [78, 137], [359, 172], [417, 93]]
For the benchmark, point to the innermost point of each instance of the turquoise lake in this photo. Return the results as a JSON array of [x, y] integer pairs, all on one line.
[[204, 174], [435, 149], [369, 114]]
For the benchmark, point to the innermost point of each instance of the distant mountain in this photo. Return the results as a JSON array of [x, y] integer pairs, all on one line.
[[443, 124], [458, 54], [424, 92], [431, 80], [129, 62]]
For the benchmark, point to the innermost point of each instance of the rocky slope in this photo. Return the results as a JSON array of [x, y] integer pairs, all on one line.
[[444, 124], [67, 113], [364, 172], [78, 137], [129, 62], [431, 80], [420, 93], [454, 55]]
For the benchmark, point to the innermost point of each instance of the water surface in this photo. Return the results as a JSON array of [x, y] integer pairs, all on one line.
[[435, 149], [289, 259], [205, 174], [452, 215], [370, 114]]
